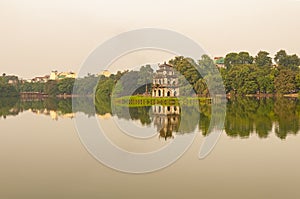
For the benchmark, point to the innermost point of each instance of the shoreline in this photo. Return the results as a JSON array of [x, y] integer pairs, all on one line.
[[138, 97], [292, 95]]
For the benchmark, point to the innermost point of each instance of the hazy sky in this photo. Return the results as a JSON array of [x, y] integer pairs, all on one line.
[[37, 36]]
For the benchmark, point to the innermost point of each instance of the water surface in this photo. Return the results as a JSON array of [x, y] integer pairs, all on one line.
[[256, 157]]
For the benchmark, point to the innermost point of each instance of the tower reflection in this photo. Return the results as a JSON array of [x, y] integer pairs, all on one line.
[[166, 119]]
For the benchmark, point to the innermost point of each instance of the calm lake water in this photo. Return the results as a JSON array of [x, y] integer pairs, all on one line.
[[42, 156]]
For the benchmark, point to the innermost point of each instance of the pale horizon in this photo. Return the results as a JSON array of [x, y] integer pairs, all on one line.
[[40, 36]]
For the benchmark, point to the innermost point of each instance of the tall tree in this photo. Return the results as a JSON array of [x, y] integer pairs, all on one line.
[[245, 58], [206, 64], [280, 55], [263, 59], [65, 86], [231, 59], [286, 61]]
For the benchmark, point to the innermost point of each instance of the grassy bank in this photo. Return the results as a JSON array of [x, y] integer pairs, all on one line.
[[135, 101], [265, 95]]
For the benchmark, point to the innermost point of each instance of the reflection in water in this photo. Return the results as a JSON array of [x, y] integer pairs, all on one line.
[[249, 115], [7, 107], [244, 116], [51, 107], [166, 119]]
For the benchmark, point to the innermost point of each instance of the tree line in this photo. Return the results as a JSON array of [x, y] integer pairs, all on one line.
[[11, 86], [51, 87], [8, 86], [242, 74], [245, 74]]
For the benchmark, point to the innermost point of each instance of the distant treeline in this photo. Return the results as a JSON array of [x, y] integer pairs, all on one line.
[[11, 86], [7, 89], [242, 74]]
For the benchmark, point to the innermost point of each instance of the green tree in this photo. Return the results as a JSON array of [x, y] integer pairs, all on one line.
[[280, 56], [231, 59], [145, 76], [242, 79], [286, 61], [285, 82], [188, 73], [297, 80], [65, 86], [6, 89], [245, 58], [265, 78], [104, 89], [205, 64], [86, 85], [201, 87], [262, 59], [51, 88]]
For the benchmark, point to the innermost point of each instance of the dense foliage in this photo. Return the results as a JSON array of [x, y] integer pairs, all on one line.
[[8, 86], [242, 74], [52, 87], [247, 75]]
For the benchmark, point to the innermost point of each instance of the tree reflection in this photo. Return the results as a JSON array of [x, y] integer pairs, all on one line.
[[286, 112], [244, 116], [8, 107]]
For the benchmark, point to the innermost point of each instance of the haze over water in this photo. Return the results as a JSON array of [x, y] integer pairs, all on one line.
[[42, 156]]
